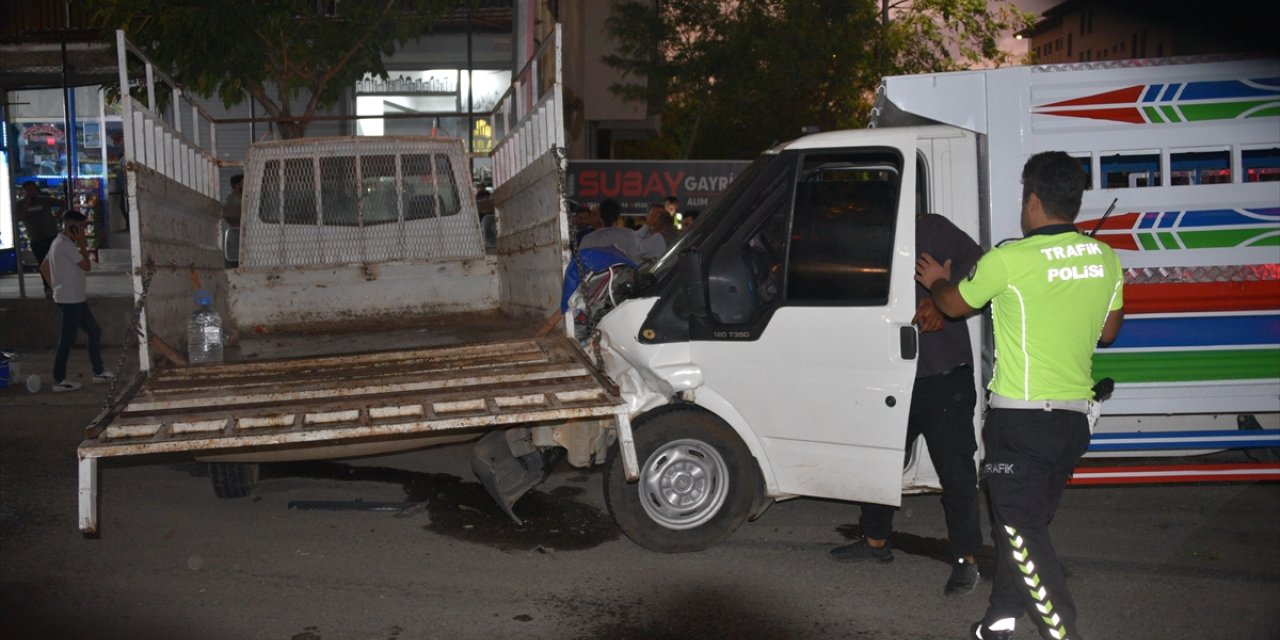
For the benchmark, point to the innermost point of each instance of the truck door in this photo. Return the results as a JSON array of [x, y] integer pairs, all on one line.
[[808, 336]]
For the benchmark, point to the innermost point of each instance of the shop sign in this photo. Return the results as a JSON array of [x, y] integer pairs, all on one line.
[[42, 132], [636, 183]]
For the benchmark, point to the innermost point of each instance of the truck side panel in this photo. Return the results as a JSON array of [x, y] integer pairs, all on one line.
[[178, 231], [533, 238]]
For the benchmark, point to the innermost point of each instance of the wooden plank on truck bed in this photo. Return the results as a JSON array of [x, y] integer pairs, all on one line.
[[366, 396]]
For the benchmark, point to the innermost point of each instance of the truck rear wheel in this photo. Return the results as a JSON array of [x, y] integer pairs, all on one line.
[[697, 482], [233, 479]]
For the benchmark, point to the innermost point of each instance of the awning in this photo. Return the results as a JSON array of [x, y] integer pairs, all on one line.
[[39, 66]]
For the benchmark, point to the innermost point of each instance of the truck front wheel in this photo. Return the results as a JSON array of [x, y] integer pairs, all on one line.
[[697, 482]]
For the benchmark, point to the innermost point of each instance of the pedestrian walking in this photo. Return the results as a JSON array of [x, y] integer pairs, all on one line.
[[66, 267]]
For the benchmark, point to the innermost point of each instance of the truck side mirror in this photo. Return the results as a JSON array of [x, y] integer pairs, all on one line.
[[231, 245], [693, 286], [729, 287]]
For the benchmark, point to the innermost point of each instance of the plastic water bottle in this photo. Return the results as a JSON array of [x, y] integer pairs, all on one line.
[[204, 332]]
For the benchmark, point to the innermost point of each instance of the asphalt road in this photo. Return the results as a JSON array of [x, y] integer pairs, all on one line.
[[409, 547]]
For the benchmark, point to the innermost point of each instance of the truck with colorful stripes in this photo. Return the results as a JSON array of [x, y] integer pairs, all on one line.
[[1188, 151]]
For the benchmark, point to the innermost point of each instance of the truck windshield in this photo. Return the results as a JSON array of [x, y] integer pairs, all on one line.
[[710, 218]]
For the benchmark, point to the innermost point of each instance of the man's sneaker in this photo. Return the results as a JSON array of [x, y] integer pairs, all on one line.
[[980, 632], [860, 551], [65, 385], [963, 580], [105, 376]]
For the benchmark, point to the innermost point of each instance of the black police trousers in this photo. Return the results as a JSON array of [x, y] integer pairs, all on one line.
[[942, 411], [1030, 455]]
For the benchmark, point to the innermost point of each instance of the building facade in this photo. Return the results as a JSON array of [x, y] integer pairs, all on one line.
[[1095, 30]]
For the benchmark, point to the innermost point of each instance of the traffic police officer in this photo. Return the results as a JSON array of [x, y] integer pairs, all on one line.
[[1055, 294]]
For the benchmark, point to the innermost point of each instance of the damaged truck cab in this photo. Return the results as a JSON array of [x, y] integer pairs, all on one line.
[[770, 353]]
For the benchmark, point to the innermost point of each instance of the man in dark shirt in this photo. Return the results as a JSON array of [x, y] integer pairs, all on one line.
[[38, 213], [942, 403]]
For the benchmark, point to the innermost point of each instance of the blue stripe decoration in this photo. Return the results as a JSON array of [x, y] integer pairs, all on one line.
[[1223, 218], [1199, 331], [1174, 440], [1152, 92], [1231, 89]]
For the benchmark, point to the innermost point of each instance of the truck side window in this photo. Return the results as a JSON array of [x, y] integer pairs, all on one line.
[[1261, 165], [426, 180], [842, 230], [428, 190]]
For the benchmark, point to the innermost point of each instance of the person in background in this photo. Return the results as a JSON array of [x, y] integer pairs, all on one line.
[[484, 202], [652, 237], [585, 220], [667, 224], [610, 235], [672, 206], [39, 213], [118, 192], [231, 206], [66, 267], [687, 219]]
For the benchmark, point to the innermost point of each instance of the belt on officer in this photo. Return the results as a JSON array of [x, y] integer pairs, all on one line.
[[997, 401]]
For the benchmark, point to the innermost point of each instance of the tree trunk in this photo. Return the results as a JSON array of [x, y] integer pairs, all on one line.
[[292, 129]]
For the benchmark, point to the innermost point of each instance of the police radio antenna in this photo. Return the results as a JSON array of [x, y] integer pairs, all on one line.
[[1103, 218]]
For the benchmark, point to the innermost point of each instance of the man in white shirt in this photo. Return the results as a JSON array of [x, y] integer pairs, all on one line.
[[653, 242], [608, 235], [66, 267]]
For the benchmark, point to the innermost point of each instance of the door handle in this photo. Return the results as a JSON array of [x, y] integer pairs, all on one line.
[[908, 342]]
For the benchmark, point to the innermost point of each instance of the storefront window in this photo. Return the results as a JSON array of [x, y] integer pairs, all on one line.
[[430, 102]]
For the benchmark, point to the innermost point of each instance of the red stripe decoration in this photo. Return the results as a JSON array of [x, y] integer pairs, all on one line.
[[1169, 474], [1119, 96], [1123, 221], [1130, 115], [1202, 297]]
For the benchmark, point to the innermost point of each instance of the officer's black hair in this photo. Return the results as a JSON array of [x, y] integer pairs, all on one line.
[[1058, 180]]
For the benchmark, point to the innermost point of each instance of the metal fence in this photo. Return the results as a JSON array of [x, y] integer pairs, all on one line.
[[327, 201]]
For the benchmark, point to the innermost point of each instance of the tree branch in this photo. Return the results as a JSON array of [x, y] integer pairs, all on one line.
[[335, 69]]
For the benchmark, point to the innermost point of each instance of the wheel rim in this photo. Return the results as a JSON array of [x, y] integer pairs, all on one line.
[[683, 484]]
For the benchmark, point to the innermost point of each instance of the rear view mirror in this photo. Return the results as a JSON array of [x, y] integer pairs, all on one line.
[[231, 246], [694, 288], [729, 287]]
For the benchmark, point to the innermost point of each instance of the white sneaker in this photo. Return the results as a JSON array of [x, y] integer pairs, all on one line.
[[65, 385], [105, 376]]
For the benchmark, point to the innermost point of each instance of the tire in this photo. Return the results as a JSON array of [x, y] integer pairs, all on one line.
[[233, 479], [698, 482]]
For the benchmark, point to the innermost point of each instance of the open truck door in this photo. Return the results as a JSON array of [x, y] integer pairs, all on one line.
[[817, 353]]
